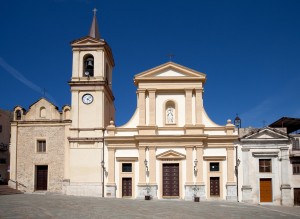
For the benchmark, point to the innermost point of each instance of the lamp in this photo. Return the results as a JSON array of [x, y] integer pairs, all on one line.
[[103, 165], [146, 164], [237, 122], [238, 162], [195, 165]]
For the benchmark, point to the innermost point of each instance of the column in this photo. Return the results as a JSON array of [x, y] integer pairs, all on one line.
[[189, 166], [245, 163], [188, 106], [152, 173], [142, 186], [199, 106], [189, 193], [246, 186], [142, 106], [13, 156], [230, 164], [152, 107], [142, 169], [231, 186], [111, 166], [199, 155], [152, 165], [111, 185], [285, 187], [199, 176]]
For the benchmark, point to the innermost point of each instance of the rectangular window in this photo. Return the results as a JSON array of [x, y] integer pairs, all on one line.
[[41, 146], [296, 168], [127, 167], [214, 166], [296, 145], [0, 128], [265, 166], [2, 161]]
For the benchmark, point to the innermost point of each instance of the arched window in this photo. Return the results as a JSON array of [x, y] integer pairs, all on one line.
[[43, 112], [67, 114], [170, 113], [88, 66], [18, 115]]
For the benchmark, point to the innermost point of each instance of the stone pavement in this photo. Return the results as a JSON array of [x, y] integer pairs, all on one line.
[[61, 206]]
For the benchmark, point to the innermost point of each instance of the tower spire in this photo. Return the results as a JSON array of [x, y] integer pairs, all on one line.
[[94, 31]]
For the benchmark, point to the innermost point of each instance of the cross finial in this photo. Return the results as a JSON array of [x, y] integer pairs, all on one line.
[[171, 56], [44, 92], [95, 11]]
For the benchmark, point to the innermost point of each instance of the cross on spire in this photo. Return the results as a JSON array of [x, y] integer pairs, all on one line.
[[95, 11], [94, 30], [171, 56]]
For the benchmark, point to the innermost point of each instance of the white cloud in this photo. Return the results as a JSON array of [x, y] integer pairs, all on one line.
[[16, 74]]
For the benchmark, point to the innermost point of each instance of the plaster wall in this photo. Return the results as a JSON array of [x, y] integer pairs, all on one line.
[[85, 164]]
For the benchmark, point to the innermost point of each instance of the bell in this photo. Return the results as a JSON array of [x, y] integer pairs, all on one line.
[[90, 63]]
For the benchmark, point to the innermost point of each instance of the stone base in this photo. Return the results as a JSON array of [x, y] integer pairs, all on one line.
[[82, 188], [190, 193], [142, 191], [111, 191], [246, 194], [286, 199], [231, 190], [12, 184]]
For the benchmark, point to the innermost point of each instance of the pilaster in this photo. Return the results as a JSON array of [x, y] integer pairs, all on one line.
[[142, 106], [152, 165], [199, 156], [189, 166], [142, 169], [230, 164], [152, 107], [111, 166], [199, 106], [188, 106]]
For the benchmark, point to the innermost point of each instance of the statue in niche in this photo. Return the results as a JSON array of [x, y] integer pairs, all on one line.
[[170, 115]]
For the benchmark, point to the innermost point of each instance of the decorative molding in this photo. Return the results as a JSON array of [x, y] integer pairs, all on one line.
[[170, 154], [127, 159], [265, 154], [209, 158]]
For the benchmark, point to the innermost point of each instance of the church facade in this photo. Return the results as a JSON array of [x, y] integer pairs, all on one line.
[[170, 148]]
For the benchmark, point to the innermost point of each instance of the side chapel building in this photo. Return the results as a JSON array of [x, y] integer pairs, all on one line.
[[170, 148]]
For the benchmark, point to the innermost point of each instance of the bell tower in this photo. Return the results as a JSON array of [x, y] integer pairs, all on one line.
[[92, 104]]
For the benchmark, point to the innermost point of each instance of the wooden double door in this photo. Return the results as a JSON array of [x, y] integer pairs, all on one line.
[[126, 187], [214, 186], [41, 177], [171, 180], [265, 190]]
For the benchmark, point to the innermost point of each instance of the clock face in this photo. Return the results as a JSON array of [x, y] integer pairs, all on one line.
[[87, 99]]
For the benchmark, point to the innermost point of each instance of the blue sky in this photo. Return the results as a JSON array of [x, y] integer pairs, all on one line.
[[249, 50]]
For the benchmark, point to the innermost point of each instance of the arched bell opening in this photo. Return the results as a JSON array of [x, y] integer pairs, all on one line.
[[88, 66]]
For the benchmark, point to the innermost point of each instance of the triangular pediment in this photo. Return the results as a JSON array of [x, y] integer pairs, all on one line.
[[170, 70], [87, 41], [43, 101], [266, 133], [170, 155]]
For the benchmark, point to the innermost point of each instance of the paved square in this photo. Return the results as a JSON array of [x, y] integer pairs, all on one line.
[[61, 206]]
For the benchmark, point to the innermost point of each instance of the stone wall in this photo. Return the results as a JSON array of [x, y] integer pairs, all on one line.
[[28, 157]]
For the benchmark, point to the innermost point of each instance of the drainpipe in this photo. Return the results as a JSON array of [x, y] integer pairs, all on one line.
[[237, 173], [103, 130], [16, 172]]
